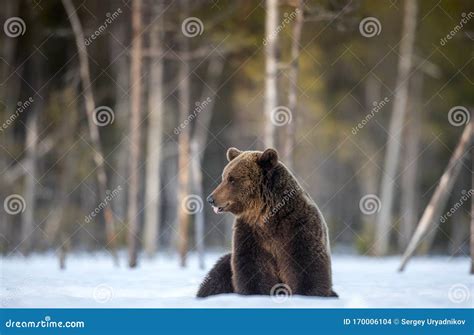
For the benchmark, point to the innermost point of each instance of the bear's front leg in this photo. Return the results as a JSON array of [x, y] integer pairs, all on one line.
[[250, 274]]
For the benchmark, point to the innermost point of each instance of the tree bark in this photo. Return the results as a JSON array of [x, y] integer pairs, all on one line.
[[184, 146], [198, 144], [135, 124], [440, 196], [384, 218], [28, 216], [93, 129], [472, 201], [271, 70], [121, 68], [410, 190], [293, 85], [155, 121], [10, 85]]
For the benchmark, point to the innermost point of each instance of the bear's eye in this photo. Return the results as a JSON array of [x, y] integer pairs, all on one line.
[[231, 180]]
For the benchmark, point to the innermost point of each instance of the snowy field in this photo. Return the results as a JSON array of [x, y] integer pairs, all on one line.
[[92, 281]]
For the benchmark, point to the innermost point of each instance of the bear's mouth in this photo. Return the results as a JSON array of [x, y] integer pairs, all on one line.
[[218, 209]]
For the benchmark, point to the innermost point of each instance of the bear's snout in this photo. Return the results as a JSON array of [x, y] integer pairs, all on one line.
[[210, 199]]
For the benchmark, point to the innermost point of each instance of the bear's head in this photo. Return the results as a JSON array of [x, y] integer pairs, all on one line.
[[242, 179]]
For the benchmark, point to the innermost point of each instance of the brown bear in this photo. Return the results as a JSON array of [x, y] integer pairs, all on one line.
[[280, 238]]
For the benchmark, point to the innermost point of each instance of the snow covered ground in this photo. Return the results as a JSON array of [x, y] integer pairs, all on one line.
[[92, 281]]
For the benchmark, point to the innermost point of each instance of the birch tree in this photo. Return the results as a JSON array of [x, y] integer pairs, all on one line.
[[271, 70], [440, 195], [198, 142], [410, 192], [184, 93], [384, 218], [135, 131], [93, 128], [155, 121], [472, 208], [293, 83]]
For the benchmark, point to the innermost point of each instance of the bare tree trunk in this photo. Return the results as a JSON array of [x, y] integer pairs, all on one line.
[[28, 216], [440, 196], [93, 129], [271, 68], [472, 203], [155, 121], [384, 218], [459, 231], [8, 95], [58, 227], [122, 116], [135, 145], [196, 181], [184, 146], [409, 196], [198, 144], [293, 85]]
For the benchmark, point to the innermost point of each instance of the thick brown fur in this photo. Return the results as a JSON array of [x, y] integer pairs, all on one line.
[[280, 236]]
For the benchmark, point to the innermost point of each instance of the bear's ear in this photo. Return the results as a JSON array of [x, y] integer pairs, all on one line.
[[232, 153], [268, 159]]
